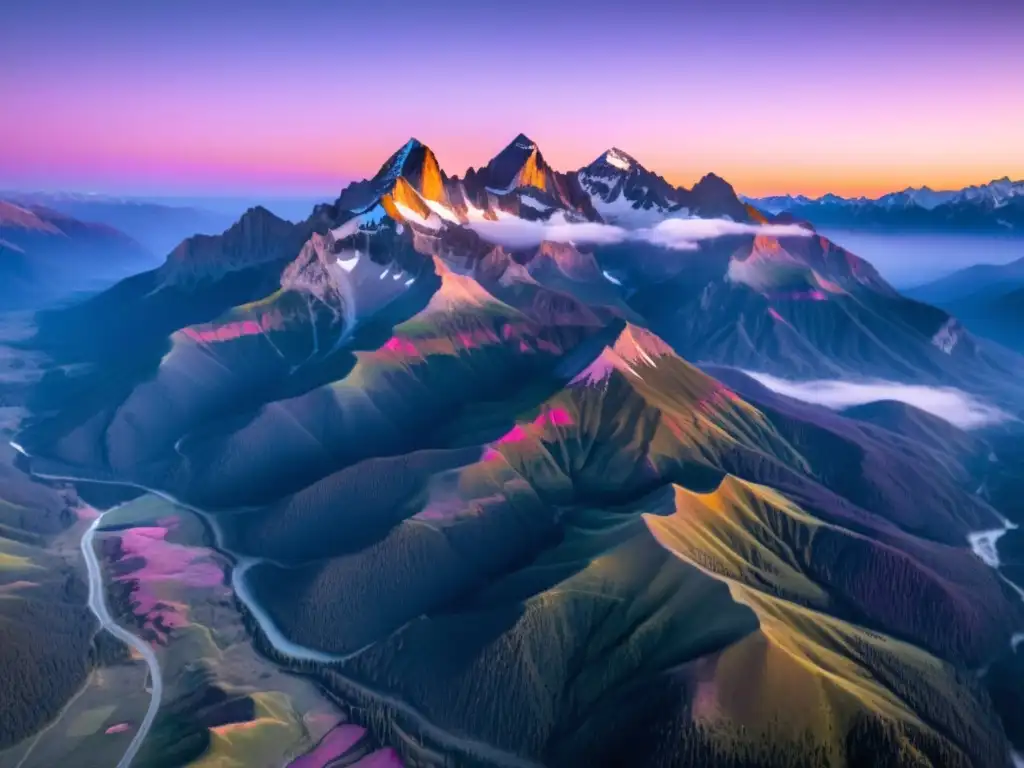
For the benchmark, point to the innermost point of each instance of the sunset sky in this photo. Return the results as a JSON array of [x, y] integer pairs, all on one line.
[[228, 97]]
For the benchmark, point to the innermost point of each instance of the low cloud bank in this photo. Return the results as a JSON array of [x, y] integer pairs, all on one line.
[[952, 405], [676, 234]]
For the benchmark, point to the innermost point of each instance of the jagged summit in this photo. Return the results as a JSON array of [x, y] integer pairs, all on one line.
[[619, 160], [634, 350], [714, 196], [520, 164], [712, 181], [256, 214], [413, 163], [395, 165], [615, 188], [523, 142], [257, 237], [624, 191]]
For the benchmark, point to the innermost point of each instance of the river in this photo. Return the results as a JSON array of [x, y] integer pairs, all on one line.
[[98, 605]]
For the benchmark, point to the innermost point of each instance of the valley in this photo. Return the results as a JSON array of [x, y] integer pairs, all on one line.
[[451, 436]]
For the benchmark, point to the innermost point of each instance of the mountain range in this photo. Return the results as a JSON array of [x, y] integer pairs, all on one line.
[[988, 298], [158, 227], [488, 454], [997, 206], [45, 254]]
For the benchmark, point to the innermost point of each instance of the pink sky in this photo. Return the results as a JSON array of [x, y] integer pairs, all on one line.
[[212, 97]]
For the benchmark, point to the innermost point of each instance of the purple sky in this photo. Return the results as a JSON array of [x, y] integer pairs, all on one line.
[[224, 96]]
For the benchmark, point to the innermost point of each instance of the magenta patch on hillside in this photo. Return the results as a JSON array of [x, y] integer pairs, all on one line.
[[828, 285], [118, 728], [555, 417], [399, 345], [164, 563], [230, 331], [444, 509], [87, 513], [547, 346], [520, 334], [719, 396], [813, 295], [382, 758], [515, 435], [335, 744]]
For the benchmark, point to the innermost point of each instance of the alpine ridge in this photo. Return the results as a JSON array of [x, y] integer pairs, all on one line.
[[494, 459]]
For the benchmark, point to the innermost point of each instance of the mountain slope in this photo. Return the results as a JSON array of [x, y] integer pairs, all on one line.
[[989, 299], [475, 489], [46, 255], [625, 192], [158, 227], [597, 526], [200, 279]]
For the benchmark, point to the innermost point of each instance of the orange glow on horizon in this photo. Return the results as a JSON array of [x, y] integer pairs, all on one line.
[[323, 167]]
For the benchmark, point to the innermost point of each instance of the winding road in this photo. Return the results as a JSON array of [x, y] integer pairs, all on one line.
[[98, 605]]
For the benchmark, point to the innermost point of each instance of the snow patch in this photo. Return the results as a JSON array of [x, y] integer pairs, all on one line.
[[433, 222], [609, 278], [349, 264], [616, 160], [947, 336], [441, 210], [371, 218], [984, 544], [531, 202]]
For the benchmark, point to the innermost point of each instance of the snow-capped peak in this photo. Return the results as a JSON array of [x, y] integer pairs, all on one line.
[[624, 192], [997, 192], [618, 159], [524, 143], [392, 169], [635, 350]]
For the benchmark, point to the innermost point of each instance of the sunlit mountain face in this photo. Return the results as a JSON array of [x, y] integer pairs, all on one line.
[[528, 467]]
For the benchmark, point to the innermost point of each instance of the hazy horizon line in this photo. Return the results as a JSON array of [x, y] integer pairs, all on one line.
[[330, 193]]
